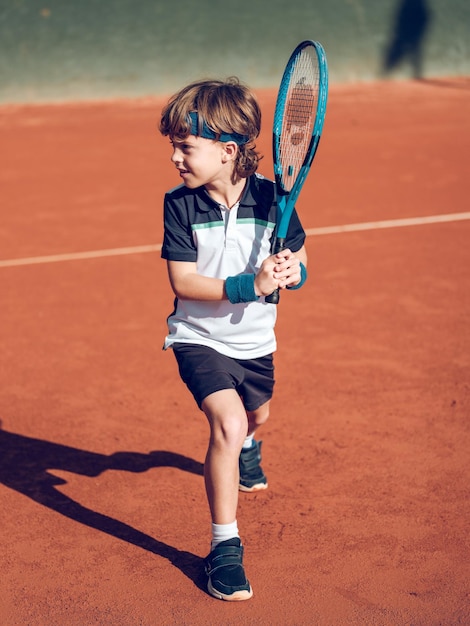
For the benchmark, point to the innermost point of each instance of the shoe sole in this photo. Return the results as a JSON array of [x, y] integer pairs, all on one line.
[[258, 487], [236, 596]]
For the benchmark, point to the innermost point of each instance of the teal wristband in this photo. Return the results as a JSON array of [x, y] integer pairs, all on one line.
[[241, 288], [303, 277]]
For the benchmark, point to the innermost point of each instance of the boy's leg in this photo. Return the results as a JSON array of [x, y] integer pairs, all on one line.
[[252, 477], [228, 427], [257, 418]]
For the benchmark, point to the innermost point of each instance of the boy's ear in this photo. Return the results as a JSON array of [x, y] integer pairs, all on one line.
[[230, 150]]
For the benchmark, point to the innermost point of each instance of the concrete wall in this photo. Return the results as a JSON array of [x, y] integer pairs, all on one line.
[[82, 49]]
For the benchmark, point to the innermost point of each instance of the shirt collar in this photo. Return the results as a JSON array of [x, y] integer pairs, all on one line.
[[249, 196]]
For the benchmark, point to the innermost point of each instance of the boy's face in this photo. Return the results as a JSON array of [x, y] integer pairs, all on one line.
[[201, 161]]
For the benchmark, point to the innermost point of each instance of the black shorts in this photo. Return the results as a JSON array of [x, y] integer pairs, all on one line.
[[205, 371]]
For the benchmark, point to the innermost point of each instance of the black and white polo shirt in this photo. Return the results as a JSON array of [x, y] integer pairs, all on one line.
[[224, 242]]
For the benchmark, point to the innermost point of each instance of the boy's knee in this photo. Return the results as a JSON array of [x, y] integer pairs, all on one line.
[[259, 417], [229, 431]]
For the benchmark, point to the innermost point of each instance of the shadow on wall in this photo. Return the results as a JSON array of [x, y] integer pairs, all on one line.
[[412, 20]]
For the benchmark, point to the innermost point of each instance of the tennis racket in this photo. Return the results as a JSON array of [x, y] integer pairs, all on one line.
[[298, 123]]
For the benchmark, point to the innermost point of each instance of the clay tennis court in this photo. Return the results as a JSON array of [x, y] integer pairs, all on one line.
[[366, 519]]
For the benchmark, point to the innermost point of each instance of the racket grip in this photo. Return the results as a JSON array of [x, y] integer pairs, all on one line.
[[274, 297]]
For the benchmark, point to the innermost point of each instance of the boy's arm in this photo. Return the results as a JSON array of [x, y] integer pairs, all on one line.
[[302, 255], [187, 284]]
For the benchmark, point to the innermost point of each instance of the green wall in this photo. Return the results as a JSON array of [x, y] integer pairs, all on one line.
[[82, 49]]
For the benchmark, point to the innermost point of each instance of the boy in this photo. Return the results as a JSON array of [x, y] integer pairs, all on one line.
[[218, 229]]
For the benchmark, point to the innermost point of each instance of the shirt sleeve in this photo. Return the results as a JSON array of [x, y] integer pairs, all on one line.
[[295, 238], [178, 242]]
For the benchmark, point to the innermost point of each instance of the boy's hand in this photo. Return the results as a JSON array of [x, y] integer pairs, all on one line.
[[278, 271], [265, 280], [287, 269]]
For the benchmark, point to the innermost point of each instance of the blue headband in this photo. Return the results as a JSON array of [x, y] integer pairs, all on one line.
[[207, 133]]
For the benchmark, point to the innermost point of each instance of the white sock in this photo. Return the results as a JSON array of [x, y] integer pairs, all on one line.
[[222, 532], [248, 441]]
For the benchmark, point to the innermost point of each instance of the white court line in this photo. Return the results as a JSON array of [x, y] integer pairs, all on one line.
[[74, 256], [409, 221], [324, 230]]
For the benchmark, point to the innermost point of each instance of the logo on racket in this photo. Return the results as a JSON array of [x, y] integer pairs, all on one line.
[[299, 110]]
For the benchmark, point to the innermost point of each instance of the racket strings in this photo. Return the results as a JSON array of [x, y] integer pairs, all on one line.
[[301, 98]]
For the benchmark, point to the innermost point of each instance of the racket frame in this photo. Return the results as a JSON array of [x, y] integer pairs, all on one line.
[[285, 200]]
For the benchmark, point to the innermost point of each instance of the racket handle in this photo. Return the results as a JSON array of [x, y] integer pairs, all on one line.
[[274, 297]]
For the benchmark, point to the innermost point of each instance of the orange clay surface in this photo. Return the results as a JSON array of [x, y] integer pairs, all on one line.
[[103, 517]]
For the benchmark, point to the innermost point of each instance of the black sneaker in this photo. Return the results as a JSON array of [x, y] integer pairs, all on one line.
[[224, 567], [252, 477]]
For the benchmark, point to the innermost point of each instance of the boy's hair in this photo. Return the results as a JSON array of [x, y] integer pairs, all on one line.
[[223, 108]]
